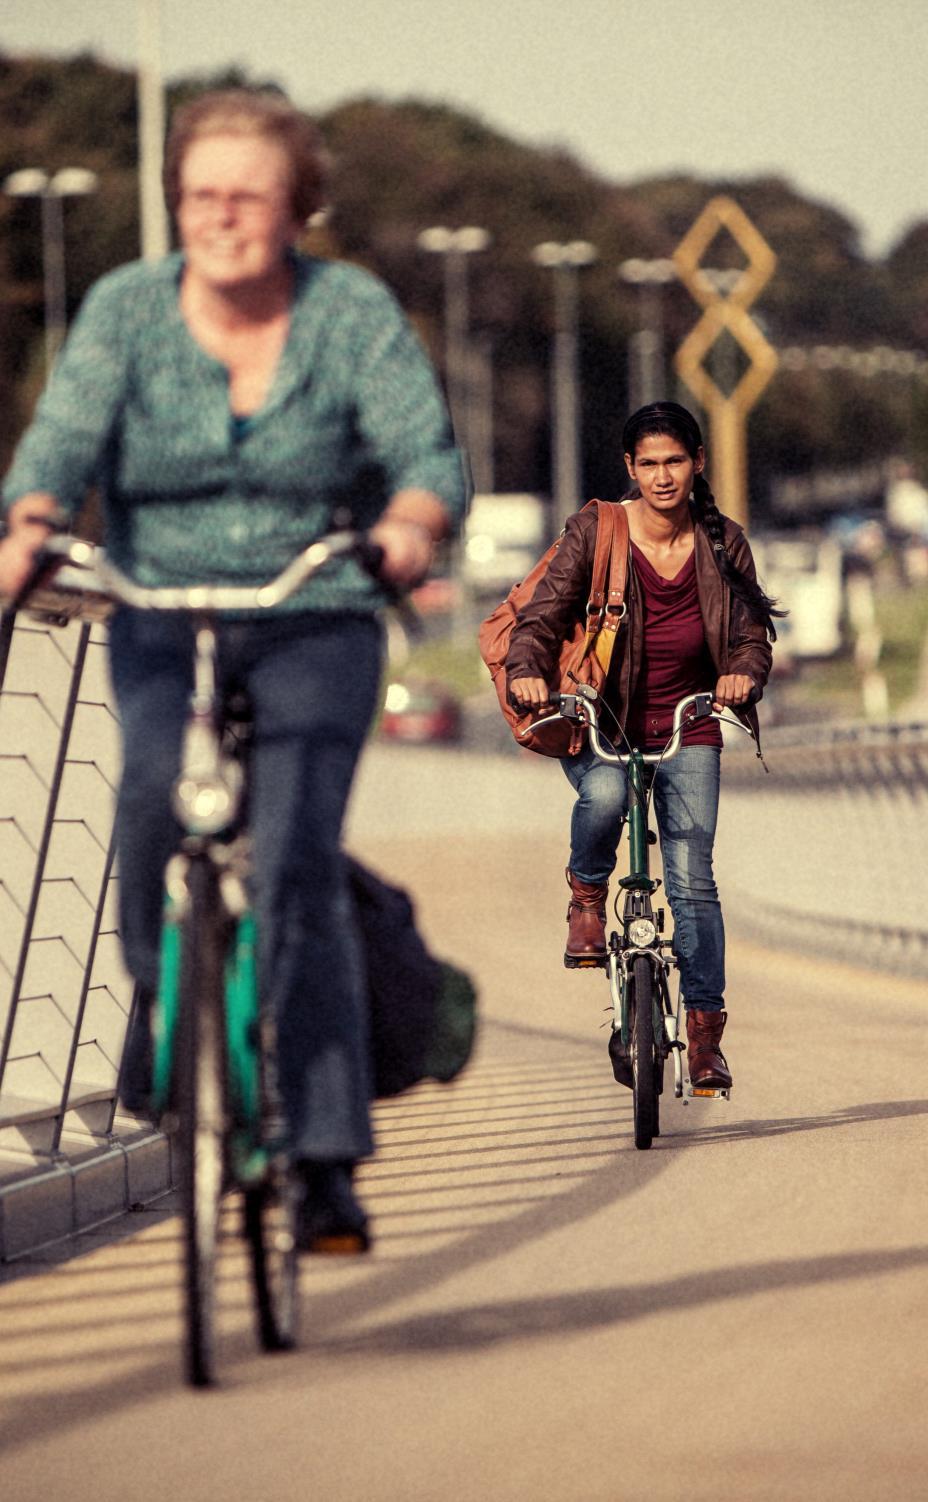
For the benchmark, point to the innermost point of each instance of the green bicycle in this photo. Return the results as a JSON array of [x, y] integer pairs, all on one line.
[[645, 1024], [214, 1071]]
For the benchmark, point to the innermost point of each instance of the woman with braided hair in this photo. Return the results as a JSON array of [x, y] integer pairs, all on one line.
[[696, 618]]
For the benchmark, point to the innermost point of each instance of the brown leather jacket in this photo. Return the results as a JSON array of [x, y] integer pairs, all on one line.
[[737, 643]]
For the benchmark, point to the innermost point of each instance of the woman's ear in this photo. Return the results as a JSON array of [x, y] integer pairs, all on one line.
[[630, 466], [699, 463]]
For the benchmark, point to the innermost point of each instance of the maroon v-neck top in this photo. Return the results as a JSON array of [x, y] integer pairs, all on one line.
[[675, 660]]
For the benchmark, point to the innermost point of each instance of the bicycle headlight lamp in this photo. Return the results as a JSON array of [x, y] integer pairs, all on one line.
[[641, 932], [204, 804]]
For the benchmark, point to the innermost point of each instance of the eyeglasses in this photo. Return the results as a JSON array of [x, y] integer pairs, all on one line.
[[205, 202]]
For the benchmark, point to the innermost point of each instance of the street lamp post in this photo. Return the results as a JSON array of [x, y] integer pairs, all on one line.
[[454, 246], [153, 223], [565, 260], [646, 348], [68, 182]]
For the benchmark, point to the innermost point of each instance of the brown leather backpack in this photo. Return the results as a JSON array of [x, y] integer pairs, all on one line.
[[587, 652]]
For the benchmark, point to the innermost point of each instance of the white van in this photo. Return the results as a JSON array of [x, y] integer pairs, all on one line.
[[804, 573], [504, 536]]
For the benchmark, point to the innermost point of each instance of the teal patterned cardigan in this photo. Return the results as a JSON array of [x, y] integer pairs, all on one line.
[[136, 407]]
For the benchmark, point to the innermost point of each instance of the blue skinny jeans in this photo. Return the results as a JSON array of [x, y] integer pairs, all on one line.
[[312, 681], [686, 800]]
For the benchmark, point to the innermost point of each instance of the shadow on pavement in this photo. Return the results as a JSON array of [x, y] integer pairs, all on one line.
[[879, 1110], [478, 1326], [529, 1142]]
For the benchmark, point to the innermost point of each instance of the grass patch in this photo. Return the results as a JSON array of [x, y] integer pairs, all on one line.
[[457, 664], [834, 686], [903, 619]]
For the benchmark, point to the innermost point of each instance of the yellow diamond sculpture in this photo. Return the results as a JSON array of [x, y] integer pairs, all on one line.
[[728, 411]]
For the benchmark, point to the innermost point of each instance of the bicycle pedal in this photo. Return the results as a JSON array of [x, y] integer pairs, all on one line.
[[707, 1092], [594, 962]]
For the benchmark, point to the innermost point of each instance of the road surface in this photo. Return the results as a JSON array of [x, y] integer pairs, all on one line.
[[548, 1315]]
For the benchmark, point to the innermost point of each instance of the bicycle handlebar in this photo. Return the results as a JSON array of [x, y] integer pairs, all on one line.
[[581, 706], [82, 569]]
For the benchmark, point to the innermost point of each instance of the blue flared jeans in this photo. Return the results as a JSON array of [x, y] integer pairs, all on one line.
[[312, 681], [686, 800]]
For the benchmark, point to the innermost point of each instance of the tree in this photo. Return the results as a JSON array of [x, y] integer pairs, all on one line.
[[397, 168]]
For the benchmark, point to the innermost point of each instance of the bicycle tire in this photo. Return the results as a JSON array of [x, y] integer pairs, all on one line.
[[645, 1106], [270, 1228], [201, 1095]]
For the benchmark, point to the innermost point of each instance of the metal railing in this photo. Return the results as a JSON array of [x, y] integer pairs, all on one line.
[[67, 996], [828, 852]]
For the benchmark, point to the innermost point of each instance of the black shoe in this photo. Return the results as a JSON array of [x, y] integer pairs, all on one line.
[[621, 1063], [331, 1221]]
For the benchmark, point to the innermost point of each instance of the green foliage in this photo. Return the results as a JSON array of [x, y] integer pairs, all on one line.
[[907, 267], [452, 661]]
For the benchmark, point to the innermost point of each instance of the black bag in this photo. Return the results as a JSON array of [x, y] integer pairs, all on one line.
[[423, 1011]]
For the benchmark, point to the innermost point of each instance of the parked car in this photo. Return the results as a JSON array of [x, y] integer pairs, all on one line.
[[420, 712]]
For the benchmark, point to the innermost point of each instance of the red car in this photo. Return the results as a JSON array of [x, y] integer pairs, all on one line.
[[420, 713]]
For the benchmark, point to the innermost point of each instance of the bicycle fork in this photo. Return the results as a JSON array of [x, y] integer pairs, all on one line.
[[667, 1017]]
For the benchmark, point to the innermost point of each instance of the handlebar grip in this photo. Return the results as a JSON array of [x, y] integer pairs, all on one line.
[[370, 555]]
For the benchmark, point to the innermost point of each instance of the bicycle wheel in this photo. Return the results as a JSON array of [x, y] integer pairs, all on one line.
[[645, 1105], [201, 1107], [270, 1227]]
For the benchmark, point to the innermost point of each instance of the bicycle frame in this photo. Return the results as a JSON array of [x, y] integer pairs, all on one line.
[[208, 799]]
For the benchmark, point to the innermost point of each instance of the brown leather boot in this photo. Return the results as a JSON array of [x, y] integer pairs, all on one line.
[[708, 1068], [586, 920]]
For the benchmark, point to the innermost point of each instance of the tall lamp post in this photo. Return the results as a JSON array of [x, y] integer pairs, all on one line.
[[565, 260], [68, 182], [454, 246], [646, 365], [153, 222]]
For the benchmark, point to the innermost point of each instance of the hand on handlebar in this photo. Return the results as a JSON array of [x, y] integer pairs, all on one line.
[[530, 693], [27, 527], [733, 690], [407, 552], [17, 561]]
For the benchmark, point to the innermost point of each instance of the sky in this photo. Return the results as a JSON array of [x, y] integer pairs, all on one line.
[[830, 94]]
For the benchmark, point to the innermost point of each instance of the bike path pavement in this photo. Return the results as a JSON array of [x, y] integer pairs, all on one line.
[[548, 1314]]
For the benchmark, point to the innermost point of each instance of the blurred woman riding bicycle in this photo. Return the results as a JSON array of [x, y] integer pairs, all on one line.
[[232, 402]]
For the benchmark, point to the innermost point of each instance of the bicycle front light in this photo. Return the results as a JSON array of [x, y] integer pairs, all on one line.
[[641, 932], [204, 805]]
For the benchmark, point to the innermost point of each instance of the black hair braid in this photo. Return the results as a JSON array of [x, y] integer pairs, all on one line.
[[748, 591]]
